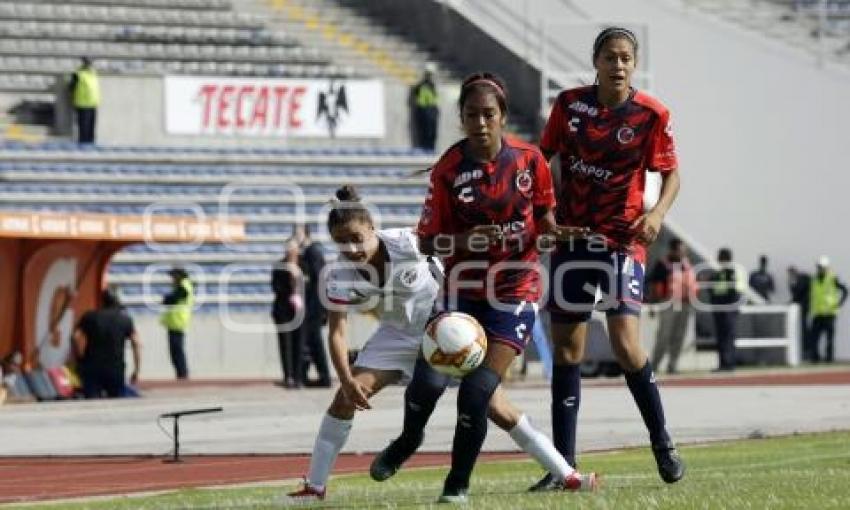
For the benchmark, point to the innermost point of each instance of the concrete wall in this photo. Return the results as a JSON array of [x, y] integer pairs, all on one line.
[[241, 346], [132, 113]]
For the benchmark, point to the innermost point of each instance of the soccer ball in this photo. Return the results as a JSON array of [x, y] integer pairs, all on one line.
[[454, 344]]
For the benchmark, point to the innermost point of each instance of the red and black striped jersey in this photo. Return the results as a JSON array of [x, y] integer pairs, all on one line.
[[604, 155], [465, 193]]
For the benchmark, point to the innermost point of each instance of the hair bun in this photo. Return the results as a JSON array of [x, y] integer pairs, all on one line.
[[347, 193]]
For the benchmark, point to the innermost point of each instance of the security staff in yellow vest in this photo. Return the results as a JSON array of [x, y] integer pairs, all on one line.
[[176, 318], [85, 97], [727, 285], [426, 111], [824, 302]]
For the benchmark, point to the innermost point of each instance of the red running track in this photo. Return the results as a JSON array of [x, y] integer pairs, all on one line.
[[45, 478]]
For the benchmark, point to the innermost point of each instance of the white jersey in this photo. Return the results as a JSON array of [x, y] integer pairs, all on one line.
[[406, 300]]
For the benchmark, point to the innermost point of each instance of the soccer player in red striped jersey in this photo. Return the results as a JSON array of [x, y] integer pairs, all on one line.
[[607, 135], [490, 197]]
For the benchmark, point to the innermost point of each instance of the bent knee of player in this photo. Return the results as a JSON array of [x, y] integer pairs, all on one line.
[[502, 412], [341, 408], [625, 342]]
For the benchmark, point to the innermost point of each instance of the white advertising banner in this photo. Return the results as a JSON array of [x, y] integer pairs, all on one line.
[[259, 107]]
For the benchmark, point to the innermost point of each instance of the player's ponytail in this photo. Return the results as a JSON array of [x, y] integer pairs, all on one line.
[[346, 207]]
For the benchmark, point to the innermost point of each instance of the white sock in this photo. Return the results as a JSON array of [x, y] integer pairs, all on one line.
[[540, 448], [333, 433]]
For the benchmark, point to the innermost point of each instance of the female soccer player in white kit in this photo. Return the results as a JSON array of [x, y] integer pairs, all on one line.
[[384, 271]]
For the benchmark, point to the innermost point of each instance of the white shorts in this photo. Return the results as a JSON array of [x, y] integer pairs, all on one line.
[[390, 349]]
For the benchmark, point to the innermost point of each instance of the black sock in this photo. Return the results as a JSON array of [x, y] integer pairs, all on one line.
[[473, 399], [420, 398], [645, 392], [566, 397]]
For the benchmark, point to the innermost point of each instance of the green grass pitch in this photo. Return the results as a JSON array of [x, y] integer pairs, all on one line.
[[803, 471]]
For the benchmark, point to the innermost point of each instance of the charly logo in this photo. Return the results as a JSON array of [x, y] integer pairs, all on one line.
[[625, 134], [331, 104], [524, 181]]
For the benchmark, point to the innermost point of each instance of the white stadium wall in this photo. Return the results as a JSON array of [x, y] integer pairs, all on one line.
[[238, 346]]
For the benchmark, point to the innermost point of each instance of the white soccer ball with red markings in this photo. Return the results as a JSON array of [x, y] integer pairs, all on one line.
[[454, 344]]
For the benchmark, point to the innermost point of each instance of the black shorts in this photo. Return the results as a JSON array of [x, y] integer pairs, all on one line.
[[579, 270], [509, 323]]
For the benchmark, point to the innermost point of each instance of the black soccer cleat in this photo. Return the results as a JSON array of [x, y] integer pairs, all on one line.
[[671, 467], [454, 496], [547, 484], [385, 465]]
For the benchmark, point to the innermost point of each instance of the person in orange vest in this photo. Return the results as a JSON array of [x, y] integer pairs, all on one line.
[[672, 282], [824, 302], [85, 97]]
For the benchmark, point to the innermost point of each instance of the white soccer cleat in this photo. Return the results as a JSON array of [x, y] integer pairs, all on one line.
[[577, 482]]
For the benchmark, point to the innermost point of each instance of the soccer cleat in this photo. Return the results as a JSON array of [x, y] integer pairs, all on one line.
[[577, 482], [454, 496], [306, 493], [671, 467], [384, 466], [546, 484]]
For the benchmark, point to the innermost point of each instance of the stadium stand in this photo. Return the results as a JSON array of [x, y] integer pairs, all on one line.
[[265, 194], [39, 40]]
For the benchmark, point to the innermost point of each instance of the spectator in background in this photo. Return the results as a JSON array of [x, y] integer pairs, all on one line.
[[425, 108], [287, 313], [725, 296], [315, 315], [673, 283], [824, 298], [798, 286], [761, 281], [85, 97], [99, 341], [177, 317]]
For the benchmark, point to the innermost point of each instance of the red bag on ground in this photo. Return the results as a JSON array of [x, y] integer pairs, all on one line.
[[61, 381]]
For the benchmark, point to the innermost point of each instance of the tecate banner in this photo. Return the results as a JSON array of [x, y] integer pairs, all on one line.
[[328, 108]]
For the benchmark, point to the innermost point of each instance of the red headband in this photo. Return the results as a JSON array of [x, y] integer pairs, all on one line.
[[486, 81]]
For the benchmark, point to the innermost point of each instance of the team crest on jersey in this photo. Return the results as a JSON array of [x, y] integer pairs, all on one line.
[[408, 276], [524, 181], [625, 134]]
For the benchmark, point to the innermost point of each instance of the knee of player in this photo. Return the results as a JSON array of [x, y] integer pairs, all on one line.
[[568, 354], [630, 359], [341, 408], [503, 415], [476, 389]]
